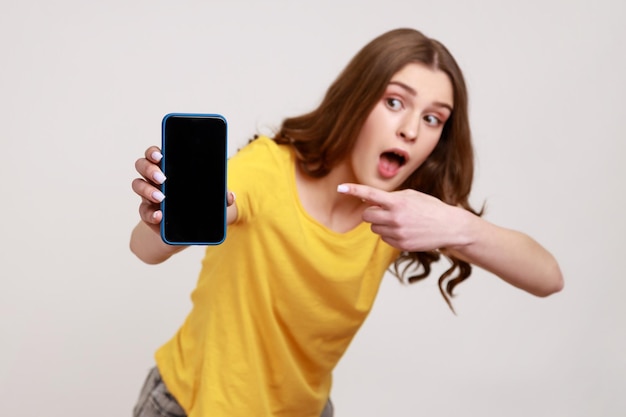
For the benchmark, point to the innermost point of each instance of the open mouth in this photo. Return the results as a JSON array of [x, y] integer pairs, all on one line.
[[390, 163], [394, 158]]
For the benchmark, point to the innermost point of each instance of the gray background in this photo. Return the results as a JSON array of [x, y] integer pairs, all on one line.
[[83, 88]]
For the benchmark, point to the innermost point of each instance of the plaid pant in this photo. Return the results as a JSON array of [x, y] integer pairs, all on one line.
[[156, 401]]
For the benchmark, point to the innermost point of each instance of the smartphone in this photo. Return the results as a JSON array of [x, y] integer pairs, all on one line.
[[194, 148]]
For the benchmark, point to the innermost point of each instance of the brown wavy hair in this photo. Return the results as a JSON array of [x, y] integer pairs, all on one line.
[[325, 136]]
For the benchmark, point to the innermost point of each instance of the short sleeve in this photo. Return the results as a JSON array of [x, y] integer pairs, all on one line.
[[258, 174]]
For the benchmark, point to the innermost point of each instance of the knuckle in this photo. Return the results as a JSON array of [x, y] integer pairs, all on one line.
[[137, 185], [139, 164], [150, 150], [146, 211], [370, 193]]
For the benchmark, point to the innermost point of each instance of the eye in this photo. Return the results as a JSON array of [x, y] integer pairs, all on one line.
[[432, 120], [394, 103]]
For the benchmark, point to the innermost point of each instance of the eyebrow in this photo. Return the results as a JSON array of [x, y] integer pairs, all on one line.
[[412, 91]]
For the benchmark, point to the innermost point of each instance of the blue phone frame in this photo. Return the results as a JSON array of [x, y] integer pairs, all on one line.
[[164, 186]]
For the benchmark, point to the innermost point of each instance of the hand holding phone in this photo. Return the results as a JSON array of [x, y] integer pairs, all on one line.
[[194, 148]]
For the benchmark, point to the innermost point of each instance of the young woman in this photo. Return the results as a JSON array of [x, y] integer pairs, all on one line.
[[378, 175]]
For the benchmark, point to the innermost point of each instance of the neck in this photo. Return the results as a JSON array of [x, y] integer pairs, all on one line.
[[320, 199]]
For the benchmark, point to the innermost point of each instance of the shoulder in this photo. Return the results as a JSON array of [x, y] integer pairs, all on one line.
[[262, 157], [261, 153], [262, 145], [260, 174]]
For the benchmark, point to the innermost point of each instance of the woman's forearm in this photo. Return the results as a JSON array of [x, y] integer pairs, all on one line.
[[513, 256], [148, 246]]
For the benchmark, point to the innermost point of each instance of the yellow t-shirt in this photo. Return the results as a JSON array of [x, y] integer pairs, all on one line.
[[276, 305]]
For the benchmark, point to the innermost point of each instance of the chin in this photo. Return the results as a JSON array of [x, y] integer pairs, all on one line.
[[383, 184]]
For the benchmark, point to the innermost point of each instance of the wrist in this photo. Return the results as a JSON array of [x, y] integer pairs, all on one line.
[[465, 229]]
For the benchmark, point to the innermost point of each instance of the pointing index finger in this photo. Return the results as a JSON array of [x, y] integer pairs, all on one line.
[[366, 193]]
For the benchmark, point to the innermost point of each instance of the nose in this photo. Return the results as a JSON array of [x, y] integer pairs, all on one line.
[[409, 128]]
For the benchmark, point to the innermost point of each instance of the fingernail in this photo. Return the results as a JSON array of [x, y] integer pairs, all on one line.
[[159, 177], [234, 196], [342, 188], [158, 196], [156, 156]]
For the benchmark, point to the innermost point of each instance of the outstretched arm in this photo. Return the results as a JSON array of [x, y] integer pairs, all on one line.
[[414, 221]]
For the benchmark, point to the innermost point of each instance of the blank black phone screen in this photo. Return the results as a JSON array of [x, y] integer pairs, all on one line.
[[194, 163]]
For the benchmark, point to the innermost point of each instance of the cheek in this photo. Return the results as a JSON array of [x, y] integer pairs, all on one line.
[[423, 152], [365, 140], [367, 132]]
